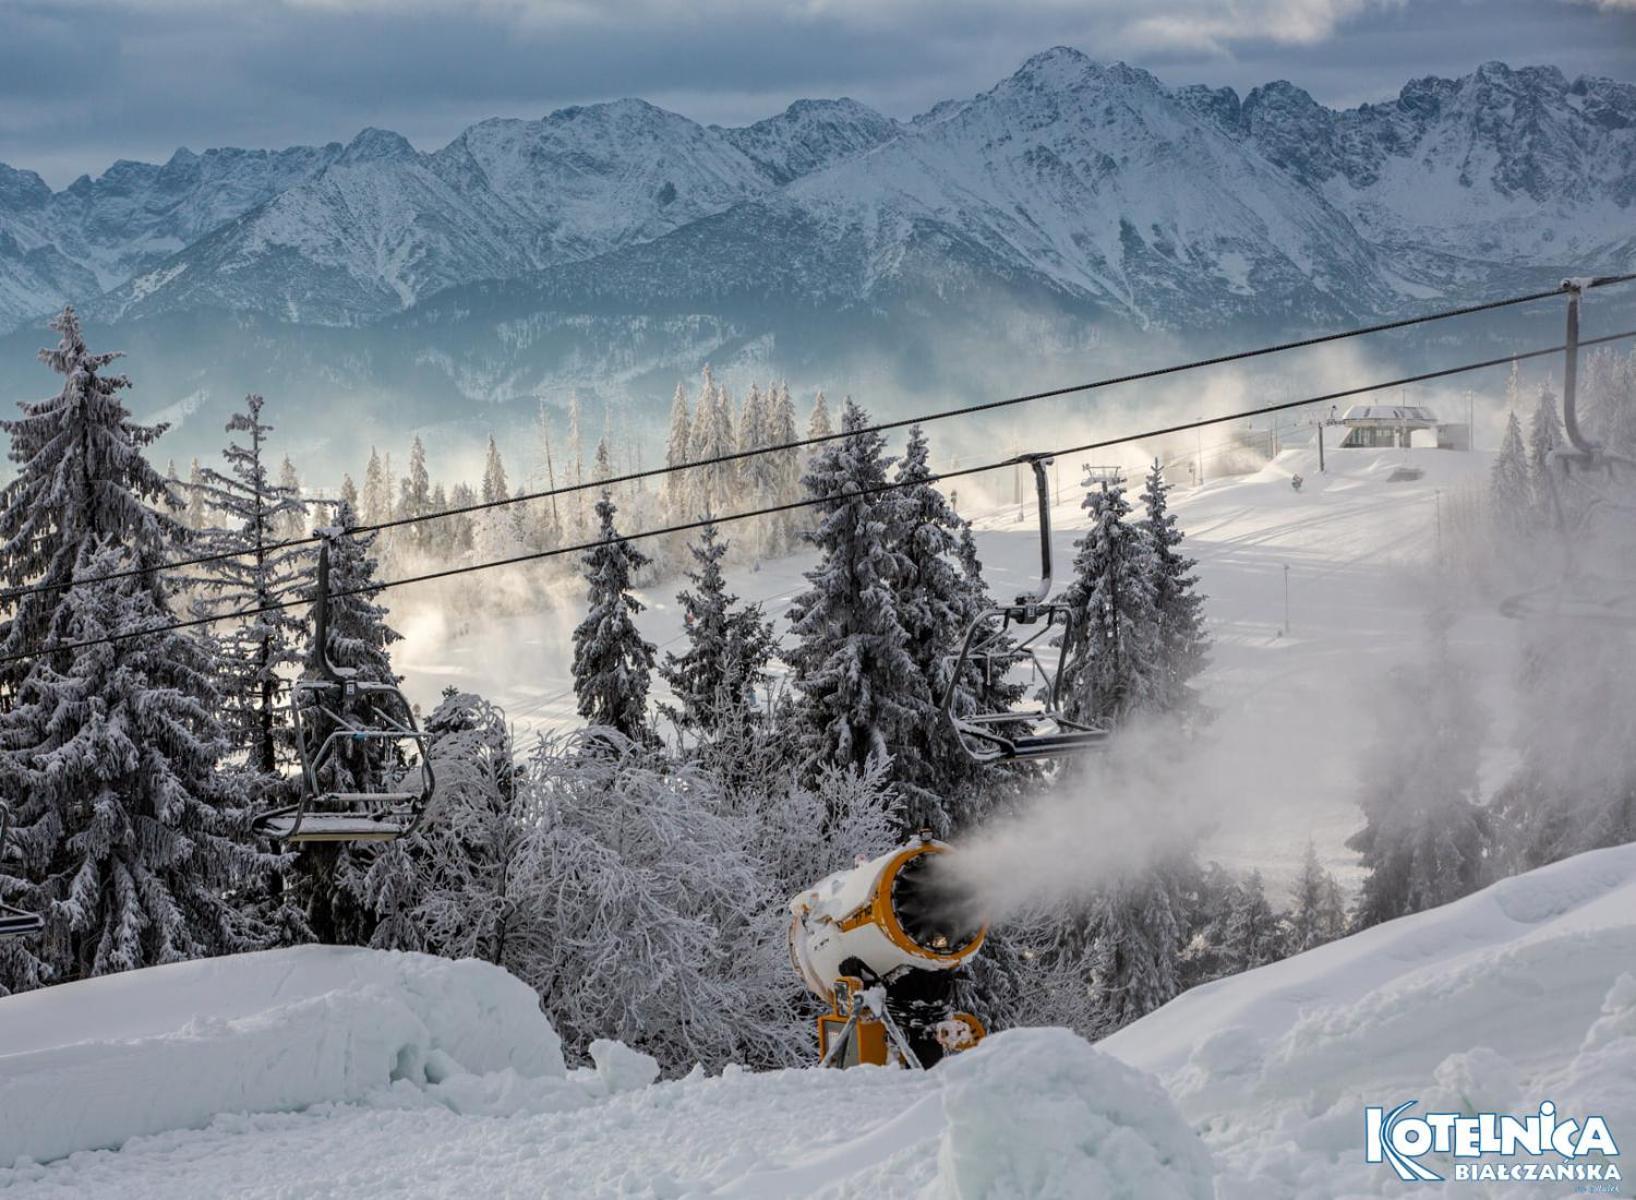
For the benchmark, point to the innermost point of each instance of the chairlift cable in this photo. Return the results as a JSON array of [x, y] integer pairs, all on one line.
[[11, 594]]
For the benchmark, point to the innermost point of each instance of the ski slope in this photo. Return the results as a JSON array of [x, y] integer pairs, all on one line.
[[1522, 992], [1295, 704]]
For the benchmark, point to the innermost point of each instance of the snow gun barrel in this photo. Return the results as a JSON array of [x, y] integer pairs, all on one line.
[[902, 909]]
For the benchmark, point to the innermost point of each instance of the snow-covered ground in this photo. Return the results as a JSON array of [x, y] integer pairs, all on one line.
[[363, 1073], [1295, 704]]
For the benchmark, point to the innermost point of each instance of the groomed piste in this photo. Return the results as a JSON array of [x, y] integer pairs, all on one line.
[[363, 1073]]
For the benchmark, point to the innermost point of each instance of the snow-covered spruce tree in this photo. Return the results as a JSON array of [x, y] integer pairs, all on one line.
[[131, 839], [1254, 934], [81, 478], [496, 530], [196, 514], [112, 851], [376, 499], [415, 497], [613, 665], [678, 486], [1112, 662], [712, 436], [348, 890], [251, 652], [938, 591], [1426, 838], [1182, 643], [547, 519], [728, 646], [1544, 437], [294, 524], [1205, 897], [1317, 913], [1575, 788], [861, 695], [1510, 492], [1132, 945], [1610, 384]]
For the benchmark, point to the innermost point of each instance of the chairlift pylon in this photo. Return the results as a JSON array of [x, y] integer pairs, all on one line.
[[1580, 595], [14, 921], [1027, 733], [336, 716]]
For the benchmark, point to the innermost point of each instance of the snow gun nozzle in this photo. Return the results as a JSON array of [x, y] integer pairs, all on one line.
[[937, 907]]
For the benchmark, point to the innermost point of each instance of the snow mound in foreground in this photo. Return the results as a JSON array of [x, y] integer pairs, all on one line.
[[91, 1064], [1523, 992], [1038, 1112]]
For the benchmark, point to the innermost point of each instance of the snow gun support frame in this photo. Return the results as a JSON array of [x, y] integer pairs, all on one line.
[[1042, 732], [858, 1028], [14, 922], [332, 709]]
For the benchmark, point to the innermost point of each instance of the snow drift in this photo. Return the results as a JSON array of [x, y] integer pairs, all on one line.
[[1523, 992], [442, 1077], [91, 1064]]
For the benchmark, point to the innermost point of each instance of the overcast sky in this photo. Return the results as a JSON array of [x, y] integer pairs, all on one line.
[[83, 82]]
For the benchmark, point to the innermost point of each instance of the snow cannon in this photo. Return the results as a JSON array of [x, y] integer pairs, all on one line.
[[883, 943]]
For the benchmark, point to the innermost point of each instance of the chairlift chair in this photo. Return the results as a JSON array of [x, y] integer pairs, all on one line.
[[336, 713], [1037, 732], [14, 922]]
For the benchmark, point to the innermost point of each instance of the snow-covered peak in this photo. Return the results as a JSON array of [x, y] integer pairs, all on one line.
[[811, 134], [21, 189], [377, 145]]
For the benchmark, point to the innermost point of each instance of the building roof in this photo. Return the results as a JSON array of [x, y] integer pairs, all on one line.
[[1398, 415]]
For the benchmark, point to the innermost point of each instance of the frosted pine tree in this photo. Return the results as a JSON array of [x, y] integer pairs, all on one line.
[[252, 653], [116, 752], [938, 593], [819, 424], [81, 477], [712, 436], [579, 527], [1544, 437], [787, 473], [1575, 788], [728, 646], [613, 664], [294, 524], [377, 492], [341, 884], [127, 838], [1113, 662], [496, 529], [1182, 643], [861, 694], [1427, 839], [1253, 934], [462, 529], [1133, 948], [415, 497], [196, 514], [546, 520], [678, 484], [1510, 492], [1317, 912]]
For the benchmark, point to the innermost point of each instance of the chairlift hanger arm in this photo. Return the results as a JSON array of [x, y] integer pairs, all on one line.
[[1042, 489]]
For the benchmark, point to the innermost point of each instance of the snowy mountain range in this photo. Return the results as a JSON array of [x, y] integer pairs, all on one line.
[[619, 241]]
